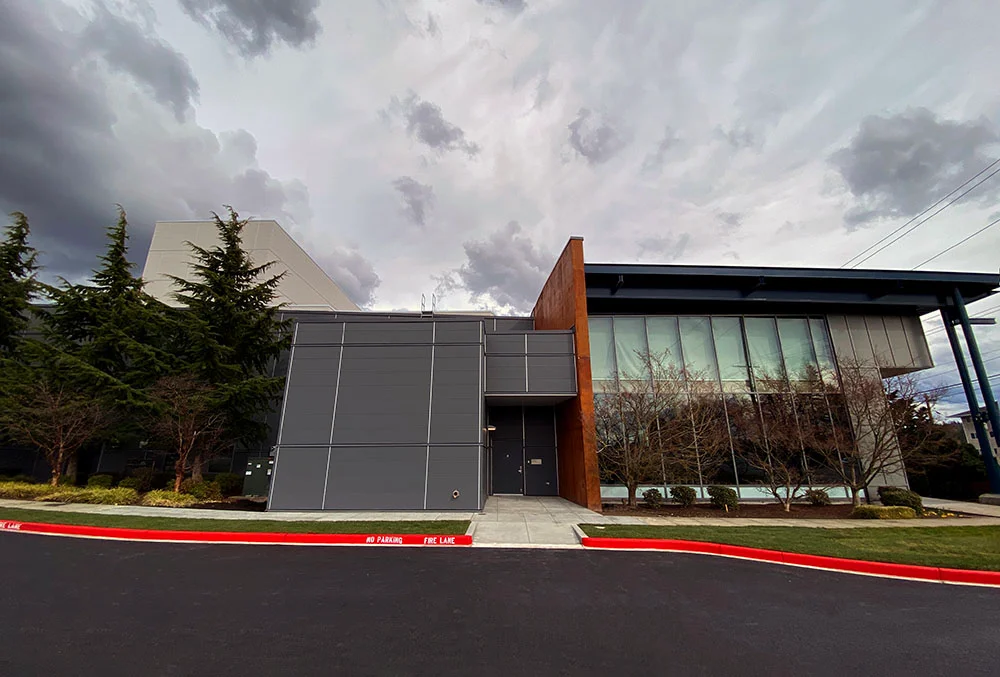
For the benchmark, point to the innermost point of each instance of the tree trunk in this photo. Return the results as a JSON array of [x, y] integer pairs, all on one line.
[[787, 504], [855, 497], [71, 469], [57, 469], [196, 468], [178, 474], [632, 488]]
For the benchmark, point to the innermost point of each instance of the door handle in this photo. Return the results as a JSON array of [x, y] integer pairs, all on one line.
[[520, 468]]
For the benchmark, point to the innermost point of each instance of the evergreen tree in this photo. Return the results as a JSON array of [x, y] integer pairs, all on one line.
[[17, 281], [112, 324], [233, 331]]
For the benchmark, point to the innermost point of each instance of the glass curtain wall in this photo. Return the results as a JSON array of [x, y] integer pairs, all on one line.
[[748, 381]]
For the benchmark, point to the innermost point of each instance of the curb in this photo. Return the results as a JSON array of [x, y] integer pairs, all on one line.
[[234, 537], [853, 566]]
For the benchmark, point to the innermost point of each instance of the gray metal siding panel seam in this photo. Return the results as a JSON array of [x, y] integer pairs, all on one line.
[[333, 418], [430, 408]]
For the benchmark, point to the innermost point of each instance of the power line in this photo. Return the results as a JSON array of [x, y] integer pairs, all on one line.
[[960, 242], [922, 222], [978, 311], [865, 251], [940, 389]]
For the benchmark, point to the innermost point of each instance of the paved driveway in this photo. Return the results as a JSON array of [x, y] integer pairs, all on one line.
[[87, 607]]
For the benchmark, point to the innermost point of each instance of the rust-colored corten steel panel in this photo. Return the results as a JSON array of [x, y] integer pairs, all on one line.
[[563, 305]]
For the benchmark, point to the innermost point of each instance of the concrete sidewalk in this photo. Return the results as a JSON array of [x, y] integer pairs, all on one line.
[[967, 507], [535, 520]]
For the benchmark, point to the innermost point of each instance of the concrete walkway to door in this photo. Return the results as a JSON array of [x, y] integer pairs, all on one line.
[[539, 520]]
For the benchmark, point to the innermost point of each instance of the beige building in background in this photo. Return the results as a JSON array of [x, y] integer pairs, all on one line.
[[305, 285]]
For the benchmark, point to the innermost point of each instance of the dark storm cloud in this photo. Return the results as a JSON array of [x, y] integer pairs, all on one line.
[[507, 266], [68, 154], [730, 222], [595, 138], [425, 121], [417, 198], [664, 247], [740, 136], [153, 63], [254, 26], [896, 166], [55, 140], [353, 273], [515, 6], [654, 161]]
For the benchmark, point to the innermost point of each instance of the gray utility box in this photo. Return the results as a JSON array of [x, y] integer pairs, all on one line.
[[258, 476]]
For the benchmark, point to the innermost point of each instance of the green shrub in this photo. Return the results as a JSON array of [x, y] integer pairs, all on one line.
[[25, 492], [885, 489], [686, 496], [144, 478], [164, 498], [230, 483], [723, 497], [881, 512], [131, 483], [116, 496], [203, 491], [904, 497], [21, 478], [817, 497], [652, 498], [100, 481]]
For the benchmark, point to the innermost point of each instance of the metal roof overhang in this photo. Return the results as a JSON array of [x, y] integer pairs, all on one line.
[[641, 288]]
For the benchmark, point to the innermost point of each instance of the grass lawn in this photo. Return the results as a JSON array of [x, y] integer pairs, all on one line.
[[953, 547], [446, 527]]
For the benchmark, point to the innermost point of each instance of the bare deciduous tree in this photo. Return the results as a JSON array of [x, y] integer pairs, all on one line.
[[658, 421], [57, 418], [188, 419], [868, 433], [772, 440]]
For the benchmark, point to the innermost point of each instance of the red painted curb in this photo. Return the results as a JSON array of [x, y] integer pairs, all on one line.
[[118, 533], [910, 571]]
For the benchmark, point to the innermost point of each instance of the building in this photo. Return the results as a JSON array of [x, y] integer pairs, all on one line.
[[305, 285], [969, 428], [437, 411]]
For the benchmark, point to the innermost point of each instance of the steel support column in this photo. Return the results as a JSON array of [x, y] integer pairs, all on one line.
[[982, 435]]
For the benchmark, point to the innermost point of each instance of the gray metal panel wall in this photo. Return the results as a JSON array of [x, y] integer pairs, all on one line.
[[451, 469], [311, 389], [537, 362], [384, 395], [382, 414], [376, 478], [303, 478], [551, 374]]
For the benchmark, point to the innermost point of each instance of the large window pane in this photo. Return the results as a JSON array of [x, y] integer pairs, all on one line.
[[824, 352], [732, 357], [699, 350], [665, 342], [602, 348], [630, 348], [765, 352], [796, 346]]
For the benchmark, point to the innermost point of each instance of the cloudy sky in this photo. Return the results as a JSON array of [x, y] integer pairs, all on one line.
[[452, 146]]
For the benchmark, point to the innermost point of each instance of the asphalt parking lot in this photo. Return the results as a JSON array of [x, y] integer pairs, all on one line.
[[90, 607]]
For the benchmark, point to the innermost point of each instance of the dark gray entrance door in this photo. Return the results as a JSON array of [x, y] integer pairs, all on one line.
[[508, 470]]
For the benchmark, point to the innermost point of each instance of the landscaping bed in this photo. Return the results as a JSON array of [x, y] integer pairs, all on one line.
[[953, 547], [755, 510]]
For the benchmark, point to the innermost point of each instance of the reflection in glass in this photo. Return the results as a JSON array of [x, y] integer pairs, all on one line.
[[729, 348], [765, 352], [630, 348], [797, 348], [824, 352], [665, 341], [602, 348], [699, 349], [747, 435]]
